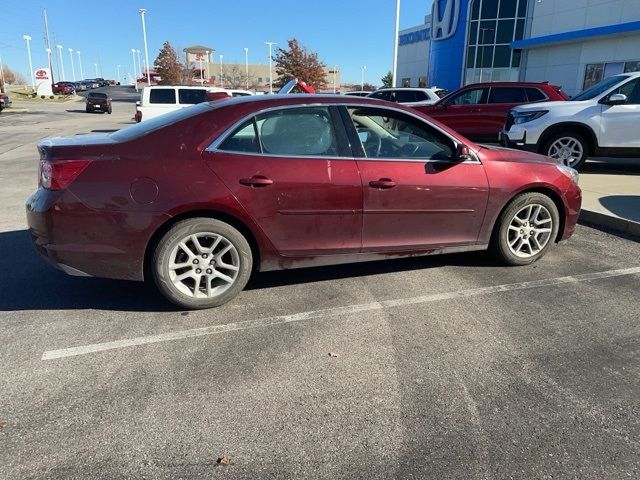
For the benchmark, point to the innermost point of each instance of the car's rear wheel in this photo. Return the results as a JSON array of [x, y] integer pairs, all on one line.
[[202, 263], [87, 109], [526, 229], [569, 148]]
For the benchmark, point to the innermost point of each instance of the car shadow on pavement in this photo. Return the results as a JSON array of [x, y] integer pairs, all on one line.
[[624, 206], [76, 111], [612, 166], [30, 283]]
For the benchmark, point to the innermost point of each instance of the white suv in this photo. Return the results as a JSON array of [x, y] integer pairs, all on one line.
[[602, 121], [410, 96]]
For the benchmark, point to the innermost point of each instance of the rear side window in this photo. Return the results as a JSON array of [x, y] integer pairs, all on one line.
[[507, 95], [244, 139], [405, 96], [306, 131], [240, 94], [381, 95], [535, 95], [191, 96], [471, 97], [162, 95]]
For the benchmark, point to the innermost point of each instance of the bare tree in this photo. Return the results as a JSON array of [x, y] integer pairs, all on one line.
[[235, 77]]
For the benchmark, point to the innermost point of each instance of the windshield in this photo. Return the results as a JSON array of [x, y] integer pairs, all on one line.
[[142, 128], [599, 88]]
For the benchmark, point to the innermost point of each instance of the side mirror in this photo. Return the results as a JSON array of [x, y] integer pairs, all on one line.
[[617, 99], [463, 153]]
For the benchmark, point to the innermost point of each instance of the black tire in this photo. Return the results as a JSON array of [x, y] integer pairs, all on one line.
[[584, 145], [109, 111], [501, 235], [87, 109], [168, 245]]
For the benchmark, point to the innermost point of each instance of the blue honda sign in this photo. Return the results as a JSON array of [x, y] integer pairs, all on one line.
[[444, 19]]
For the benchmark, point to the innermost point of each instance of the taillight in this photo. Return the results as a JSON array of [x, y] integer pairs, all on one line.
[[59, 175]]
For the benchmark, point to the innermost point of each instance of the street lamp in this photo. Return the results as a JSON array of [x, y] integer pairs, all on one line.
[[146, 50], [73, 69], [483, 30], [362, 69], [48, 50], [200, 62], [80, 65], [2, 82], [208, 61], [335, 70], [134, 77], [246, 65], [118, 73], [271, 44], [221, 74], [95, 65], [64, 75], [33, 82], [395, 45], [139, 62]]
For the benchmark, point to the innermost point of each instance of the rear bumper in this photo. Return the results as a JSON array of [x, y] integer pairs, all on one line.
[[82, 241], [509, 140]]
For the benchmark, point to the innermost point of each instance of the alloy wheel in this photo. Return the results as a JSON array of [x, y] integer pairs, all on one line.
[[568, 150], [204, 265], [529, 231]]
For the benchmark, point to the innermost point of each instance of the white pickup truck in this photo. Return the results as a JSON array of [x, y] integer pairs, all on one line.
[[158, 100]]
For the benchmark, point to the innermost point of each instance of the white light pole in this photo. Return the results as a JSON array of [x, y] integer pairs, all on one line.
[[201, 74], [362, 69], [48, 50], [73, 69], [2, 86], [118, 73], [95, 65], [246, 66], [134, 77], [33, 82], [271, 44], [80, 65], [335, 70], [221, 74], [208, 62], [139, 62], [64, 76], [146, 50], [394, 72]]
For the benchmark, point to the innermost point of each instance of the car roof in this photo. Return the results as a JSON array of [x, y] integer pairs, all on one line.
[[510, 84]]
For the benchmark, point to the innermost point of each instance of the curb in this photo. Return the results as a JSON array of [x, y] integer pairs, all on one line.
[[15, 110], [610, 222]]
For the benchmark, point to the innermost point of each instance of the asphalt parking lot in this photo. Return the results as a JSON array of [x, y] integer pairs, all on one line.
[[449, 367]]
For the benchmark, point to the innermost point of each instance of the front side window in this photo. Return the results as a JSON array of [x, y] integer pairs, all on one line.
[[631, 90], [306, 131], [507, 95], [598, 88], [473, 96], [386, 134], [191, 96], [162, 95]]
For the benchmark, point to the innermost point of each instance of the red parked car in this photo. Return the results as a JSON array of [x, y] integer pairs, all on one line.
[[63, 88], [478, 110], [198, 198]]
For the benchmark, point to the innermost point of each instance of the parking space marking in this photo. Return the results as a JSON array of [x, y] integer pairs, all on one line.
[[329, 312]]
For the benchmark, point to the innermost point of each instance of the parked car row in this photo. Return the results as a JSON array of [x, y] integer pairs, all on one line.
[[69, 88]]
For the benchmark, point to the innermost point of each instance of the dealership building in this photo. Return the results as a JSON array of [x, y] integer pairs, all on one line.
[[573, 43]]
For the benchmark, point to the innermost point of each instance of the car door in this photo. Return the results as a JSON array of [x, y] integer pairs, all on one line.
[[619, 123], [416, 193], [286, 168], [462, 112], [493, 114]]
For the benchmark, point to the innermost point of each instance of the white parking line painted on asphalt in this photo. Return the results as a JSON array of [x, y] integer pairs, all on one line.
[[329, 312]]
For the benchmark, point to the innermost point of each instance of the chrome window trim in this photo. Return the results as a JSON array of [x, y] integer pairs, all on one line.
[[213, 147]]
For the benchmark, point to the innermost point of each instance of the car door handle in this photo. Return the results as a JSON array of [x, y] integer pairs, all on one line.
[[256, 181], [476, 110], [383, 183]]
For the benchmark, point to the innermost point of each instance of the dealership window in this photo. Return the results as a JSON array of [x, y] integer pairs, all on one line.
[[494, 25], [596, 72], [406, 82], [422, 82]]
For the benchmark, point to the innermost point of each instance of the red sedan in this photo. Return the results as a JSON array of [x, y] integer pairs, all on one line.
[[198, 198]]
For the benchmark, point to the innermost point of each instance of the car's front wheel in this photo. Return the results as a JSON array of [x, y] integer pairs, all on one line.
[[526, 229], [569, 148], [202, 263]]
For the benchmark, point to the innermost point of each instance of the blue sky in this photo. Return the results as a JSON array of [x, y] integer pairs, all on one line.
[[347, 33]]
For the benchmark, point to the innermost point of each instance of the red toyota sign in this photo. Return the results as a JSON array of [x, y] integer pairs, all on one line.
[[42, 74]]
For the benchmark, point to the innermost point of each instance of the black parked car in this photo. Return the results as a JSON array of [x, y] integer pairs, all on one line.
[[98, 102]]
